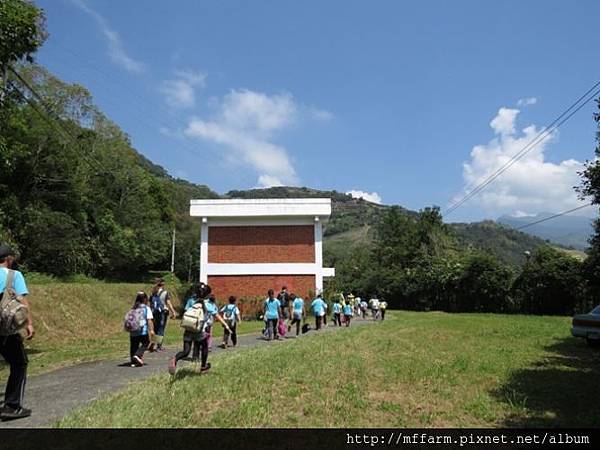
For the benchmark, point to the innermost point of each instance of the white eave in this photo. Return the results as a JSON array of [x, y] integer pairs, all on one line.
[[258, 208]]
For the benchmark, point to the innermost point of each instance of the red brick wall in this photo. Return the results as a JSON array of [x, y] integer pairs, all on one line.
[[257, 285], [261, 244]]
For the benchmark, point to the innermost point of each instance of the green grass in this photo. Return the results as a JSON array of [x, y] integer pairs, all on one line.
[[414, 370], [81, 322]]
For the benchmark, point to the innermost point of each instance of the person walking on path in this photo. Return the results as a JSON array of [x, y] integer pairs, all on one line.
[[374, 304], [191, 300], [272, 313], [162, 309], [284, 300], [139, 339], [213, 309], [298, 312], [382, 307], [12, 283], [318, 307], [363, 309], [348, 312], [337, 312], [205, 320], [231, 314]]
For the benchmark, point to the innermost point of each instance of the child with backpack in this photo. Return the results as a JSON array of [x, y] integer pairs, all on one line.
[[212, 308], [348, 313], [197, 322], [231, 315], [337, 312], [139, 322], [298, 312]]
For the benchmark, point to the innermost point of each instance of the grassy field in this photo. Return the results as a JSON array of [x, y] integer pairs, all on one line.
[[413, 370], [79, 322]]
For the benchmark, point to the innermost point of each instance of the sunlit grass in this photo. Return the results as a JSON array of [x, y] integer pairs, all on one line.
[[414, 370]]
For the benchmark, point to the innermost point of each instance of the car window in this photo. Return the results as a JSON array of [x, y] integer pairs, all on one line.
[[596, 310]]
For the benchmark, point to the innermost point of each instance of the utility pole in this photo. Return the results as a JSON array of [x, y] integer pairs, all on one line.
[[173, 253]]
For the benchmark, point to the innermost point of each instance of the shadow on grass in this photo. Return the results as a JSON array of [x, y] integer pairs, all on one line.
[[184, 373], [560, 390]]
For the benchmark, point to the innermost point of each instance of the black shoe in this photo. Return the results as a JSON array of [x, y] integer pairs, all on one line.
[[8, 413], [205, 368]]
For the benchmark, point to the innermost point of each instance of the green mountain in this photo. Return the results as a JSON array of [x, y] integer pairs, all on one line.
[[90, 203], [351, 223]]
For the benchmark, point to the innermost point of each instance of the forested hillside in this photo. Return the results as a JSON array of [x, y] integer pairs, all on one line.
[[75, 196]]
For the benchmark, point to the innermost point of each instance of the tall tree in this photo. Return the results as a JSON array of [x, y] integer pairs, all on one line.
[[590, 190]]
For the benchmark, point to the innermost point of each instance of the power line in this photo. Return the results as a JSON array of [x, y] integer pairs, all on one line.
[[554, 125], [56, 123], [143, 106], [553, 217]]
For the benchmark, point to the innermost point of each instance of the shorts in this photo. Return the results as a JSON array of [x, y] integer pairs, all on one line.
[[297, 316]]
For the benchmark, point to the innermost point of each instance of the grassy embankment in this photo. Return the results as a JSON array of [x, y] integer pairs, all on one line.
[[79, 322], [416, 369]]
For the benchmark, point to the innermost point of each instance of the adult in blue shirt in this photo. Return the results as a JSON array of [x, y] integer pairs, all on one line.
[[11, 345], [318, 306], [298, 312], [272, 312]]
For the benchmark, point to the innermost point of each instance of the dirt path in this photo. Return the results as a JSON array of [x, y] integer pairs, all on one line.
[[53, 395]]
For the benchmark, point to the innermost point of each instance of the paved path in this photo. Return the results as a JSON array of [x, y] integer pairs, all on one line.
[[54, 394]]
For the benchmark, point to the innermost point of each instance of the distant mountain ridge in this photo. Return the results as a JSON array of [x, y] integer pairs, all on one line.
[[351, 222], [568, 231]]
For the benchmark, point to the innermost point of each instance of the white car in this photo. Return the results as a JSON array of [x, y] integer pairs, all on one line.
[[588, 326]]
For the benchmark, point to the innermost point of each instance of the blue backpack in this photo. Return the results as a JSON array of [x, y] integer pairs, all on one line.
[[156, 304]]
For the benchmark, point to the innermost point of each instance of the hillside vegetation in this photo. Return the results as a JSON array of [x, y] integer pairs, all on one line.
[[414, 370]]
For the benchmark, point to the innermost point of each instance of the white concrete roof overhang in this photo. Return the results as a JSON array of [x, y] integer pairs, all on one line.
[[257, 208]]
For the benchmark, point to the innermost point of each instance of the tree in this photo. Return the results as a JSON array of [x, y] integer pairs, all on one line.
[[22, 32], [551, 282], [483, 285], [590, 189]]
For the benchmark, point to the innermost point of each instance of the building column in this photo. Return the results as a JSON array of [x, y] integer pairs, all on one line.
[[204, 250], [318, 254]]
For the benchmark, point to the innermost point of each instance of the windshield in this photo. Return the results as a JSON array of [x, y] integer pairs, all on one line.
[[596, 310]]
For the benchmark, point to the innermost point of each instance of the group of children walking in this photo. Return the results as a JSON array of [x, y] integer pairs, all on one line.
[[146, 321], [287, 310]]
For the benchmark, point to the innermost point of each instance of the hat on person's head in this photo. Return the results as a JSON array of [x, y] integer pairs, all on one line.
[[6, 250]]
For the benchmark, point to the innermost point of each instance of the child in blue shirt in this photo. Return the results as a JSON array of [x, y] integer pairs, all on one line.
[[337, 313], [348, 313], [318, 306], [272, 312], [298, 312]]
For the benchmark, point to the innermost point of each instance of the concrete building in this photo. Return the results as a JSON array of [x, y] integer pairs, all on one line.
[[250, 245]]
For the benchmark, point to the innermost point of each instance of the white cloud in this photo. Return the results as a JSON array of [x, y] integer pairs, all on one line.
[[504, 122], [116, 51], [527, 101], [530, 185], [267, 181], [245, 123], [180, 92], [373, 197], [319, 114]]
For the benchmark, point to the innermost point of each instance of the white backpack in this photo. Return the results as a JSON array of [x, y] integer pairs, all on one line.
[[194, 319]]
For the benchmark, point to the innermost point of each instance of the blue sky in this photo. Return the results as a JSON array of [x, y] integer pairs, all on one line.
[[385, 97]]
